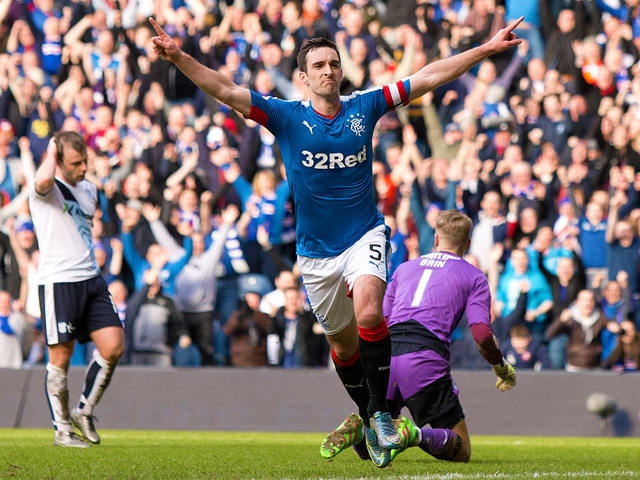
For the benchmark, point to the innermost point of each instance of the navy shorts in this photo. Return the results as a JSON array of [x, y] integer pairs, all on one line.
[[72, 311]]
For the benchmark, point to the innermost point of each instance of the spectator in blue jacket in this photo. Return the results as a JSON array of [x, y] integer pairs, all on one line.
[[156, 258], [539, 298]]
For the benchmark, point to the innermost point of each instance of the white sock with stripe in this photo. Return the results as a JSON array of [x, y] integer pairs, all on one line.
[[96, 379], [58, 397]]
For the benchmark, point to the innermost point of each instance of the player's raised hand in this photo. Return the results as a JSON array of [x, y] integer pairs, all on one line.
[[506, 375], [163, 45], [505, 38]]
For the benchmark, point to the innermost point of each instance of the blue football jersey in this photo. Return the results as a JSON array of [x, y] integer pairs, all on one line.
[[328, 163]]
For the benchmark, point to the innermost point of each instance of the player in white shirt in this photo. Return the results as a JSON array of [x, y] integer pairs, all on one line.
[[74, 300]]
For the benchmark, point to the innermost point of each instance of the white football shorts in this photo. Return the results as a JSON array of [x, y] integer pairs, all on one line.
[[329, 281]]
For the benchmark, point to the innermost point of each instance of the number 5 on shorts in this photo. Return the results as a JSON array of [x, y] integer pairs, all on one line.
[[376, 253]]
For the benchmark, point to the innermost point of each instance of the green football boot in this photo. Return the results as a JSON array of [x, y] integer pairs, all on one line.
[[409, 433], [349, 433]]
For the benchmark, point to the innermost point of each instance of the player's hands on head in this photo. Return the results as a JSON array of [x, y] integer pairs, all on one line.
[[52, 149], [506, 375]]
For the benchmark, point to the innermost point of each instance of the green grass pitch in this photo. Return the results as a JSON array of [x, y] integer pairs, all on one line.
[[135, 454]]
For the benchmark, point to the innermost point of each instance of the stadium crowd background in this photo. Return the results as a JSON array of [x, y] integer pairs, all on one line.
[[540, 146]]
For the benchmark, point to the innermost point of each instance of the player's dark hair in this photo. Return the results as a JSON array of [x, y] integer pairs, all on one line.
[[72, 140], [454, 228], [312, 44]]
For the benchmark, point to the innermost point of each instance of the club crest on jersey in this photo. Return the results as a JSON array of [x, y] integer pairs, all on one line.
[[354, 122]]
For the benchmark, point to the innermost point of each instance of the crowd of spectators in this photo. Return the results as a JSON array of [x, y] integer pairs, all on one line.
[[195, 234]]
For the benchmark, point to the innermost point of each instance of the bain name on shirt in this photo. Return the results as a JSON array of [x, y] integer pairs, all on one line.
[[436, 259]]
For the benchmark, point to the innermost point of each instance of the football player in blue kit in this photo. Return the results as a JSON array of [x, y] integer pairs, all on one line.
[[341, 239]]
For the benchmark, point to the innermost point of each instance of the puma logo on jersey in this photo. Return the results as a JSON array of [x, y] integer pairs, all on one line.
[[374, 264], [306, 124], [330, 161]]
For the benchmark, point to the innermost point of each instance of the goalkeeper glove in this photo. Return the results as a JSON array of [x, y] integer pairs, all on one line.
[[506, 375]]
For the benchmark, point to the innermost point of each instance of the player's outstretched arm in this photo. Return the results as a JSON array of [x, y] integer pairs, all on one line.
[[448, 69], [212, 82], [46, 172]]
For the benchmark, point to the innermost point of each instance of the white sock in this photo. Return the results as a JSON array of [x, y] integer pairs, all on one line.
[[58, 397], [96, 380]]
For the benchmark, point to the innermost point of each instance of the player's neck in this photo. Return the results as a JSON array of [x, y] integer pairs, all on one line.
[[64, 178], [326, 106], [458, 252]]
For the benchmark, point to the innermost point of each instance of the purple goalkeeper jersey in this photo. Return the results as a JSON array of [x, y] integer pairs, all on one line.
[[424, 303]]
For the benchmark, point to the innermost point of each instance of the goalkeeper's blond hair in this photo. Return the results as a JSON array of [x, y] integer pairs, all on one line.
[[453, 228]]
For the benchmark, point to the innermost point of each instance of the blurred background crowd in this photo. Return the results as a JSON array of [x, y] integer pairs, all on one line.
[[195, 233]]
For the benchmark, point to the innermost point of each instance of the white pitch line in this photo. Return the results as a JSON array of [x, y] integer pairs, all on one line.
[[499, 475]]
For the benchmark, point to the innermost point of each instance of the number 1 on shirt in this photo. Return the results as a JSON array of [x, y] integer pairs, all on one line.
[[422, 285]]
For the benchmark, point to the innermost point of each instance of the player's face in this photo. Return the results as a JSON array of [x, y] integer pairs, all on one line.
[[323, 74], [73, 166]]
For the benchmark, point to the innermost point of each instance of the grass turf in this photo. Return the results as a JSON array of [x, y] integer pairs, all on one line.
[[134, 454]]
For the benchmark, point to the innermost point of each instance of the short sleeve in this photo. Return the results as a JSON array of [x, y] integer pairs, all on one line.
[[270, 112]]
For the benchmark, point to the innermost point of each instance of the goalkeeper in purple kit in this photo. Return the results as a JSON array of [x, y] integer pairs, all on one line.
[[423, 305]]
